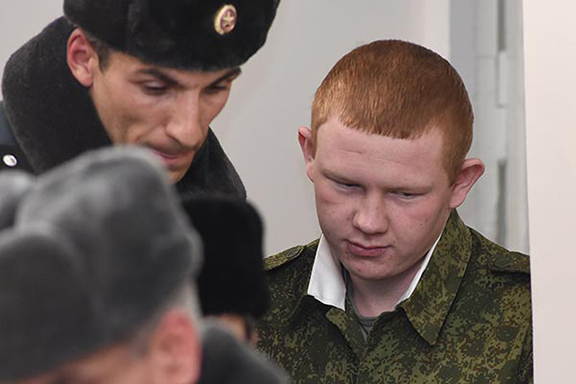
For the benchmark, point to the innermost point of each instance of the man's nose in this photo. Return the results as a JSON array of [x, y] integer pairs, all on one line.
[[371, 216], [185, 124]]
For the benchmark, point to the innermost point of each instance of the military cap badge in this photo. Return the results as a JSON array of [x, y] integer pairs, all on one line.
[[225, 19]]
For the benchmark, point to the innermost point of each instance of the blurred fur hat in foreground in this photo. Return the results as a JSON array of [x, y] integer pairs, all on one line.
[[232, 279], [96, 246]]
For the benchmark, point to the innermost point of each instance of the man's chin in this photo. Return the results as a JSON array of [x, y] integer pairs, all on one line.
[[175, 177]]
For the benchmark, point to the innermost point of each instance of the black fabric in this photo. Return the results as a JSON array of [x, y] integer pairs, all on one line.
[[54, 120], [226, 361], [232, 279], [6, 136], [95, 248], [176, 33], [51, 114], [9, 146]]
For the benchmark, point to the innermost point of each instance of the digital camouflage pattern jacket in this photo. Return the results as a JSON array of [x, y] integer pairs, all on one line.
[[468, 321]]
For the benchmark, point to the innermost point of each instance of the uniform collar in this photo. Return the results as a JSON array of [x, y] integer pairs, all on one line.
[[326, 280], [428, 307], [327, 283], [432, 291]]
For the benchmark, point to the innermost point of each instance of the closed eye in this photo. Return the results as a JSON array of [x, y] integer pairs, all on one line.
[[154, 89], [406, 195], [220, 87], [346, 186]]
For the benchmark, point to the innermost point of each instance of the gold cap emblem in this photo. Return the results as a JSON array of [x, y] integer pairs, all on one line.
[[225, 19]]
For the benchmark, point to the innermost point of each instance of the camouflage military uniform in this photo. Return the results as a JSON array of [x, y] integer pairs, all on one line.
[[468, 321]]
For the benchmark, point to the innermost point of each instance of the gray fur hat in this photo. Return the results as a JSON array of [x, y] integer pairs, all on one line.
[[96, 247], [13, 187], [203, 35]]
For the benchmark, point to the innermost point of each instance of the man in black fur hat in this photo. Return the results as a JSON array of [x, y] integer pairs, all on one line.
[[110, 299], [148, 72]]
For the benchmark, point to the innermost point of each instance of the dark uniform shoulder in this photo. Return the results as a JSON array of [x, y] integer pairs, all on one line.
[[285, 257], [11, 156], [500, 259]]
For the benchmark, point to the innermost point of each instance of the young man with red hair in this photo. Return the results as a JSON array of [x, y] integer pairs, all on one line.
[[397, 288]]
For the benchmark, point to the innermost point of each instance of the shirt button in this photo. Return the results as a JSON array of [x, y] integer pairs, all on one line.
[[10, 160]]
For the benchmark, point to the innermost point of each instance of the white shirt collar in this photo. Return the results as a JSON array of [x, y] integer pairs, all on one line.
[[327, 282]]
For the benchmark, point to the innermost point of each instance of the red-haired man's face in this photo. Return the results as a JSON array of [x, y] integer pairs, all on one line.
[[381, 202]]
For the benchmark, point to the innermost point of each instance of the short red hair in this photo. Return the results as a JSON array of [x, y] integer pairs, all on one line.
[[401, 90]]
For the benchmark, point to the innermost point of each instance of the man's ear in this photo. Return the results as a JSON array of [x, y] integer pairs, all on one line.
[[176, 349], [307, 147], [81, 57], [469, 173]]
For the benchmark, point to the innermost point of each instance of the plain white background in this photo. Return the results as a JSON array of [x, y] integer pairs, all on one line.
[[550, 38]]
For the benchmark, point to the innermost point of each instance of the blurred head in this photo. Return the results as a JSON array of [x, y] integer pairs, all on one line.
[[165, 349], [160, 72], [231, 283], [96, 271], [391, 125]]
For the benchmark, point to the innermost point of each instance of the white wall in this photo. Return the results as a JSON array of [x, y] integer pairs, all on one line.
[[550, 79]]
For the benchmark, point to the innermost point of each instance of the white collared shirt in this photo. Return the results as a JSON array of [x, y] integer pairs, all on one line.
[[327, 283]]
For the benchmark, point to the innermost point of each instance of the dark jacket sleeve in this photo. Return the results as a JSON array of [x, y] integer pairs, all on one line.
[[11, 155], [225, 360]]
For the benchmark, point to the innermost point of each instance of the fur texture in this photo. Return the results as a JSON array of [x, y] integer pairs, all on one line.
[[232, 277], [15, 185], [176, 33], [54, 120], [97, 246], [225, 360]]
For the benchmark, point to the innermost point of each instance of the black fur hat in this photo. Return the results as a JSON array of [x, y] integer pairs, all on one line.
[[203, 35], [97, 246], [232, 279]]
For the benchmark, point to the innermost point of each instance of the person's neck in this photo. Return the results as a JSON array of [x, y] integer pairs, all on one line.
[[373, 297]]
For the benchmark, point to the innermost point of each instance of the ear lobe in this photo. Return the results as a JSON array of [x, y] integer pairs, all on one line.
[[470, 172], [81, 58], [176, 350]]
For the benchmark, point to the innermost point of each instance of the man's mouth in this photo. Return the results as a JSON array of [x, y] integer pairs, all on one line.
[[359, 249], [169, 159]]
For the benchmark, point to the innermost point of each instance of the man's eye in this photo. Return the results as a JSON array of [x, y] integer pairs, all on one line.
[[406, 195], [216, 88], [154, 89], [347, 185]]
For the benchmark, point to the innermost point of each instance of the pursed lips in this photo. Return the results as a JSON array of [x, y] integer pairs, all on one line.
[[365, 250], [168, 157]]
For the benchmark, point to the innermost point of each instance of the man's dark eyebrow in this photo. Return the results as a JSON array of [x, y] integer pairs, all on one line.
[[164, 77], [231, 74]]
